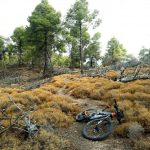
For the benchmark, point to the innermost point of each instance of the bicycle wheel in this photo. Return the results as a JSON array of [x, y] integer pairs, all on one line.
[[85, 115], [97, 130]]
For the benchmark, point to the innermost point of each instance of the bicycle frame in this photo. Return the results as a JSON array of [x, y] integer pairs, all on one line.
[[100, 115]]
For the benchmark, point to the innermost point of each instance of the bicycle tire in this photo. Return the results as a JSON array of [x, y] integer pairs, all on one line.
[[98, 127], [81, 117]]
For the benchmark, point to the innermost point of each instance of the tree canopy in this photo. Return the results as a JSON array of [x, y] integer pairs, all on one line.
[[18, 38], [1, 43], [43, 42], [144, 55], [44, 31], [114, 52], [77, 22]]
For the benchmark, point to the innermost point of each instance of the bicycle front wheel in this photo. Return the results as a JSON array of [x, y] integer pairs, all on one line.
[[97, 129]]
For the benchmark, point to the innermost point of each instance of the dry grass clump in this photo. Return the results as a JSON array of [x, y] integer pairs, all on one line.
[[80, 88], [142, 82], [112, 86], [135, 112], [50, 88], [72, 85], [141, 144], [81, 92], [4, 102], [59, 112], [104, 89], [122, 130], [58, 81], [43, 96], [86, 87], [50, 108], [112, 74], [65, 104], [95, 88], [53, 117], [97, 94], [9, 90], [142, 96], [132, 88], [48, 140], [42, 140]]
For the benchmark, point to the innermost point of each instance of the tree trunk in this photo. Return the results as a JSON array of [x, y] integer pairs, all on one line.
[[20, 55], [91, 62], [45, 70], [48, 68], [81, 52], [72, 60], [32, 62], [3, 65], [9, 58], [50, 64]]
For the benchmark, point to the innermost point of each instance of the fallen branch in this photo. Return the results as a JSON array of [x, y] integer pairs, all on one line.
[[27, 127]]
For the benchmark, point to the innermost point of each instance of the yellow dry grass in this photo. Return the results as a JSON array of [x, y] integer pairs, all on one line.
[[47, 103], [112, 74], [58, 111], [141, 144], [51, 110], [43, 140], [133, 97]]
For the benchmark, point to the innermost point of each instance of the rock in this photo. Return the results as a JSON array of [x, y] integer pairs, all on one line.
[[135, 131]]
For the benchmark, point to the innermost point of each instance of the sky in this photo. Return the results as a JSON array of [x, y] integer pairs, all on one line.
[[127, 20]]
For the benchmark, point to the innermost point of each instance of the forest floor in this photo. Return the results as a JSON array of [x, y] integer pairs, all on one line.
[[26, 78]]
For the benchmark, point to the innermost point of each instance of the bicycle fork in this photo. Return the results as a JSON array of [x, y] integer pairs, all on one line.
[[97, 127]]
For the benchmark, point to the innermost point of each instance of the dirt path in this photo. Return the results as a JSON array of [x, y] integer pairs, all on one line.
[[73, 133]]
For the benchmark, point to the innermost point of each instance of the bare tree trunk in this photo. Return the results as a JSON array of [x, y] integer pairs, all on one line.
[[81, 52]]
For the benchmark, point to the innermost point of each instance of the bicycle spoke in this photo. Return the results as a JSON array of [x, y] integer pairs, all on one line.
[[96, 129]]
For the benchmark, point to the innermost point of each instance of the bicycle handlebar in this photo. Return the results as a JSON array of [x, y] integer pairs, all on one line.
[[119, 114]]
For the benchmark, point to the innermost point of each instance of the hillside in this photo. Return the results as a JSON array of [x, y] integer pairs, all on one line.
[[57, 100]]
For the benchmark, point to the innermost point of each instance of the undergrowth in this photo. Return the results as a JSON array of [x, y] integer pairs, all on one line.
[[58, 111], [133, 97], [51, 112]]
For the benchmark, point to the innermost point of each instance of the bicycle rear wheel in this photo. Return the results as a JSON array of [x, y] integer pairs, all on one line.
[[97, 130]]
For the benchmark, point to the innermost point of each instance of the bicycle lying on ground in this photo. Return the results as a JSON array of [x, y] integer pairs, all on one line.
[[99, 123]]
